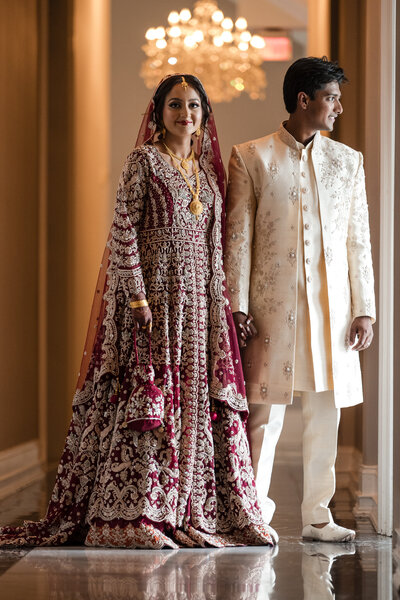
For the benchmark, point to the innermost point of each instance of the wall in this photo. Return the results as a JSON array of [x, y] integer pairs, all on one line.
[[319, 28], [371, 134], [56, 217], [78, 192], [355, 46], [94, 102], [90, 194], [18, 221]]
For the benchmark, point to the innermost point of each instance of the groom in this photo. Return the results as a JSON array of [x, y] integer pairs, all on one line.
[[299, 272]]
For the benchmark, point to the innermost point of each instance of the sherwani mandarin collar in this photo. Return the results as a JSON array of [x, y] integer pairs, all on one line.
[[290, 141]]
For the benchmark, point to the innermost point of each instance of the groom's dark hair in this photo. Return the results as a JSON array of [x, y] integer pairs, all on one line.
[[309, 75]]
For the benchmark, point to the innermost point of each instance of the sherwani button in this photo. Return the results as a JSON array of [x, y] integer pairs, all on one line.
[[303, 174], [307, 226], [305, 207], [308, 261], [304, 157], [309, 279], [307, 242]]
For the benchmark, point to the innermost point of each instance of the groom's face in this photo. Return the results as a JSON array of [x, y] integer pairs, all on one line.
[[323, 110]]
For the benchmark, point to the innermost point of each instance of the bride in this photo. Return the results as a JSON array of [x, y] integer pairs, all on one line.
[[156, 455]]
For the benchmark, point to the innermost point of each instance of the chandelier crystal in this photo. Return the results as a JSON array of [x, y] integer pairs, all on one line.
[[223, 54]]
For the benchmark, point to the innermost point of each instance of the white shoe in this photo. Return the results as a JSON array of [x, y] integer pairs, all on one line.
[[330, 533]]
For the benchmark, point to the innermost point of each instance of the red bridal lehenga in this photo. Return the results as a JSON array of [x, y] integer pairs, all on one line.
[[189, 482]]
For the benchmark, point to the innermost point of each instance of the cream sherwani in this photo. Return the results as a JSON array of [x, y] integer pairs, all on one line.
[[271, 182], [298, 258]]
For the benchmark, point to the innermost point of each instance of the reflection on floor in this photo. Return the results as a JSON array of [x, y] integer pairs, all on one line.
[[294, 571]]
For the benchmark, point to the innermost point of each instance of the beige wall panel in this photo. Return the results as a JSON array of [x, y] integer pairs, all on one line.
[[18, 222], [78, 211], [319, 28], [90, 205], [357, 47], [348, 39], [59, 207], [371, 134], [351, 56]]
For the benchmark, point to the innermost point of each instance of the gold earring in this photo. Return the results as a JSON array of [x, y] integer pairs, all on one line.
[[163, 132], [197, 133]]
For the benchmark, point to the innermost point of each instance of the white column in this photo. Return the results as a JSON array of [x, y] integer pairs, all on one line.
[[386, 282]]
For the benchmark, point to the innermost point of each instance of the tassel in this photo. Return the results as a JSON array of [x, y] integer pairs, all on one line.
[[145, 406]]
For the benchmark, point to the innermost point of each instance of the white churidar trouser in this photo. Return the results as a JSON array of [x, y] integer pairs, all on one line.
[[320, 434]]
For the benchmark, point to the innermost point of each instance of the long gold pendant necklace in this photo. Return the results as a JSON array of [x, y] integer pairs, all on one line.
[[195, 207]]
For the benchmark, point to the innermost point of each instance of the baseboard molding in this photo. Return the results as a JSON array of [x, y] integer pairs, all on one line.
[[367, 494], [19, 466], [361, 481], [347, 468]]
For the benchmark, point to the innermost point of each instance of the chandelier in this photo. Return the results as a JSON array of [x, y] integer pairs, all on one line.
[[224, 55]]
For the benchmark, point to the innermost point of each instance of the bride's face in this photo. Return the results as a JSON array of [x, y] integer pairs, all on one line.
[[182, 112]]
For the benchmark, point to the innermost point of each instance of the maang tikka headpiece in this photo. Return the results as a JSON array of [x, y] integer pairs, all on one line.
[[184, 83]]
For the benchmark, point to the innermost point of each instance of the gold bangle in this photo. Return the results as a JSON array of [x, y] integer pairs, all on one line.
[[138, 303]]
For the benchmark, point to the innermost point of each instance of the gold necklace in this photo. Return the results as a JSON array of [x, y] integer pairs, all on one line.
[[184, 162], [195, 207]]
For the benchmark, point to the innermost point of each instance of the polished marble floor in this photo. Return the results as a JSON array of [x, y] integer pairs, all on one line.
[[295, 570]]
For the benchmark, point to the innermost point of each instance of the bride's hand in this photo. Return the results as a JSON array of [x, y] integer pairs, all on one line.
[[142, 316]]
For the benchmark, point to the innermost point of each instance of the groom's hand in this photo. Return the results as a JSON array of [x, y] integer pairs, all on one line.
[[245, 328], [361, 333]]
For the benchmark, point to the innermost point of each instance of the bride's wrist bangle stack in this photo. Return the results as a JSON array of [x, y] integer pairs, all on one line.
[[138, 303]]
